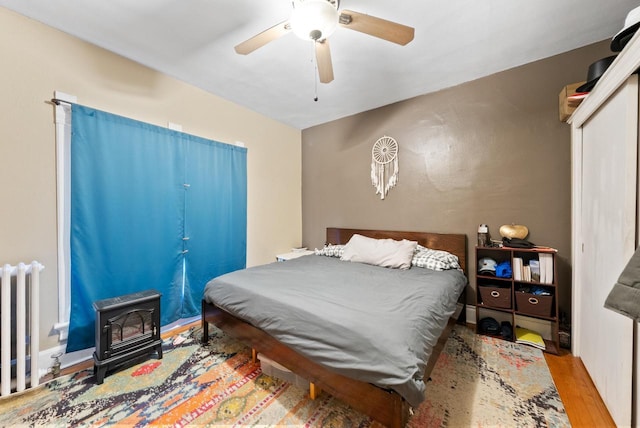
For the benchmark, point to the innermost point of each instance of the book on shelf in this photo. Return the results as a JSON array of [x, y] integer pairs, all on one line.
[[546, 268], [535, 270], [529, 337], [517, 268]]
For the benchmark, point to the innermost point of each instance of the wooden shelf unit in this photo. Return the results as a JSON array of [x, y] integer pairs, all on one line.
[[510, 285]]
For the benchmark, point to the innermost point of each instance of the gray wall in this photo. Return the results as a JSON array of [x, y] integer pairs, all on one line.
[[489, 151]]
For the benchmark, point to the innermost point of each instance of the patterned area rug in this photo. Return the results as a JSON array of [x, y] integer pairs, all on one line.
[[478, 381], [482, 381]]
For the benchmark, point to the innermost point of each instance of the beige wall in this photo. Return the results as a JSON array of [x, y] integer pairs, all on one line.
[[36, 60], [490, 151]]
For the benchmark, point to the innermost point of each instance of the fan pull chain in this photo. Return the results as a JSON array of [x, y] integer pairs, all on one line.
[[315, 72]]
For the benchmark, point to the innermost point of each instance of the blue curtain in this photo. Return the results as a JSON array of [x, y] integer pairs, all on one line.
[[131, 210], [216, 227]]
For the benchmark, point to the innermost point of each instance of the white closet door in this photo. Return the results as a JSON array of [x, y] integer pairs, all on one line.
[[608, 222]]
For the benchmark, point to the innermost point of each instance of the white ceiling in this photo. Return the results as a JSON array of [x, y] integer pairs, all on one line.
[[456, 41]]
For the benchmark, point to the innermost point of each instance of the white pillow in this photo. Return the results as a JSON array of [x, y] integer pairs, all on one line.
[[379, 252]]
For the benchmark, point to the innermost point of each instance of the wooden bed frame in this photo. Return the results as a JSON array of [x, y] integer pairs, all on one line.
[[385, 406]]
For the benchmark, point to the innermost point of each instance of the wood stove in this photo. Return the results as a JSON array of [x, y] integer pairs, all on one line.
[[127, 327]]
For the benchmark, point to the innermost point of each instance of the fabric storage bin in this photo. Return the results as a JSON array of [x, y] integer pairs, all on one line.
[[496, 297], [533, 304], [275, 370]]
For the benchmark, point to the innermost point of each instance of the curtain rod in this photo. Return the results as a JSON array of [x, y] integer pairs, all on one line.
[[58, 101]]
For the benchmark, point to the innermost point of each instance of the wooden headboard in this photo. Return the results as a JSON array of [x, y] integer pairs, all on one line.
[[455, 243]]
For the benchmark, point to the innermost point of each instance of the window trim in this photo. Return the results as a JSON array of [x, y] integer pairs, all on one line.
[[63, 202]]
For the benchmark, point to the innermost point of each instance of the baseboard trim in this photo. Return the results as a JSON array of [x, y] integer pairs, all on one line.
[[471, 314]]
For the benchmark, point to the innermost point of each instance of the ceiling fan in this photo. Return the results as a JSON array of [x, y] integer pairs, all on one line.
[[316, 20]]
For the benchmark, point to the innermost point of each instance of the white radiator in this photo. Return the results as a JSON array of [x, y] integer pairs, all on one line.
[[27, 282]]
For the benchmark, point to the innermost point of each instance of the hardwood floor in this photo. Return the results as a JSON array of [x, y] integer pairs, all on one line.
[[581, 400], [579, 395]]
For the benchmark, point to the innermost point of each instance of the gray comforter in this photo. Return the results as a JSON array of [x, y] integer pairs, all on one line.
[[369, 323]]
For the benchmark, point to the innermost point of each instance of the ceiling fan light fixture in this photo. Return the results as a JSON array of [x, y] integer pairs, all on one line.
[[314, 19]]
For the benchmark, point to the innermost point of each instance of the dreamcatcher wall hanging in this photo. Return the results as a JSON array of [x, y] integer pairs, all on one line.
[[384, 165]]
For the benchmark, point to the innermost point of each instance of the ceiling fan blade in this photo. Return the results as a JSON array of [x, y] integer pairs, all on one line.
[[377, 27], [259, 40], [323, 59]]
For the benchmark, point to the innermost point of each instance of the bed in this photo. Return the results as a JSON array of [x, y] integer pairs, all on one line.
[[347, 354]]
